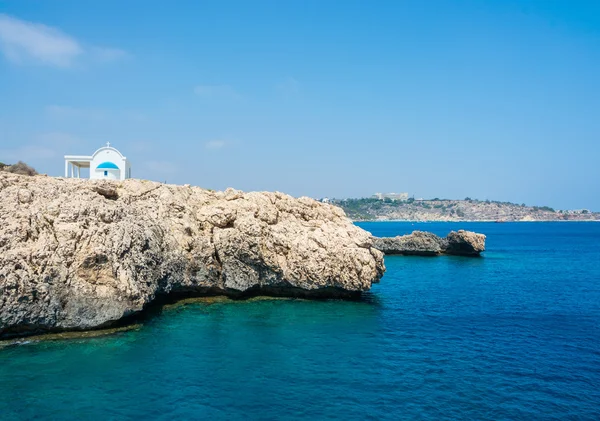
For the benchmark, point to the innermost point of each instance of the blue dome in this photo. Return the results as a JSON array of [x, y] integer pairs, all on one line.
[[108, 165]]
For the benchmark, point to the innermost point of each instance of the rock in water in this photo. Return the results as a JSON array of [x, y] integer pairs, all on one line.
[[420, 243], [82, 254], [465, 243]]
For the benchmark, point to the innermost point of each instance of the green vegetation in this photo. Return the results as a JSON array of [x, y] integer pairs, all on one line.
[[372, 208], [20, 168], [359, 208], [543, 208]]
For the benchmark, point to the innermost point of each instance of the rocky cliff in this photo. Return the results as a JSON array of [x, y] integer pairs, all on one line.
[[80, 254]]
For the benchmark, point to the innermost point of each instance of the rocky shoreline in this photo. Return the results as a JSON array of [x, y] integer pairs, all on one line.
[[79, 254]]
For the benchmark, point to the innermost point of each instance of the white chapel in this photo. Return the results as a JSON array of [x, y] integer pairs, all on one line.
[[106, 163]]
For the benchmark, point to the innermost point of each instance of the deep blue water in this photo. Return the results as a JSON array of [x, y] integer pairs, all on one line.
[[513, 335]]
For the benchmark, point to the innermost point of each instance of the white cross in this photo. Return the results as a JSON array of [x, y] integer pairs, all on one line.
[[108, 144]]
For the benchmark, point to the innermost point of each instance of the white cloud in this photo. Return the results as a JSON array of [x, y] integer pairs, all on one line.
[[216, 91], [288, 86], [215, 144], [24, 42], [108, 54]]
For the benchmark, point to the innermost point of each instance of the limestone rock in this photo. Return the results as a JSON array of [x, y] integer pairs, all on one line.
[[465, 243], [420, 243], [82, 254]]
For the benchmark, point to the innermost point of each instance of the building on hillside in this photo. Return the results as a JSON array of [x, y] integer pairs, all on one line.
[[106, 163], [578, 211], [403, 197]]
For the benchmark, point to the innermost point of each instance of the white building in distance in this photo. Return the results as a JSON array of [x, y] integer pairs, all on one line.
[[392, 196], [106, 163]]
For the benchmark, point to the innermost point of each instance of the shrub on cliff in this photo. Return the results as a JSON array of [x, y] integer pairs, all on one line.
[[547, 209], [20, 168]]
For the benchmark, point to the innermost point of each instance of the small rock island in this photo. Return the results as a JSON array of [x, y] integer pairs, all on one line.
[[84, 254], [420, 243]]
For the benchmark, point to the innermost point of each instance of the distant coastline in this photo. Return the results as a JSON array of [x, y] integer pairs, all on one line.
[[468, 210]]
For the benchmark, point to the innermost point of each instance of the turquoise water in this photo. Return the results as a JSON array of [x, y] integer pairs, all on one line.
[[512, 335]]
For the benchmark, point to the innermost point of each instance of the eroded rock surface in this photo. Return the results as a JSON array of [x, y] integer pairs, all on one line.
[[465, 243], [82, 254], [421, 243]]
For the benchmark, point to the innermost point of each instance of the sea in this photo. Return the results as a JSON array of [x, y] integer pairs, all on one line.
[[512, 335]]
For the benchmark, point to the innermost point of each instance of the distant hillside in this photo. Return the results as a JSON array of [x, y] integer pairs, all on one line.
[[455, 210]]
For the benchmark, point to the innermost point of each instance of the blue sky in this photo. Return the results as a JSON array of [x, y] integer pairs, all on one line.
[[488, 99]]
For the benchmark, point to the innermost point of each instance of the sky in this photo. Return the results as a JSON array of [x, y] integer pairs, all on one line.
[[494, 100]]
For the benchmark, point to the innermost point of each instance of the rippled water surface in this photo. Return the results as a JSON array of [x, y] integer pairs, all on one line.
[[512, 335]]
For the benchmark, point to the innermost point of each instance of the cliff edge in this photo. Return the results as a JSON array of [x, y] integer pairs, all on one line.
[[81, 254]]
